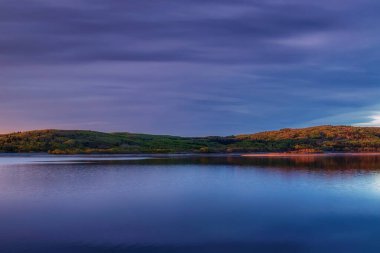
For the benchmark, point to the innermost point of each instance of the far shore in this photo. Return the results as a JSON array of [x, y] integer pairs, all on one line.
[[311, 154]]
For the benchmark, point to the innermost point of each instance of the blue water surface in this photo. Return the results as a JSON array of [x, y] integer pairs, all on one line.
[[189, 204]]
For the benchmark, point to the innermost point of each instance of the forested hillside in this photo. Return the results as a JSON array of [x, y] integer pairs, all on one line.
[[305, 140]]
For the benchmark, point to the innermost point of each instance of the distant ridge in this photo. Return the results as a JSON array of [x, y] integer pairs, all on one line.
[[315, 139]]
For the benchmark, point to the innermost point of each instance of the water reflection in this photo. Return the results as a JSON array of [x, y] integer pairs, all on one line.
[[333, 164], [190, 204]]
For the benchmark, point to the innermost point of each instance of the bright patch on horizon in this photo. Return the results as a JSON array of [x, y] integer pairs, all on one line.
[[374, 120]]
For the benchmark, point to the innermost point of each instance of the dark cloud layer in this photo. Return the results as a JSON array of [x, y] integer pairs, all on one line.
[[187, 67]]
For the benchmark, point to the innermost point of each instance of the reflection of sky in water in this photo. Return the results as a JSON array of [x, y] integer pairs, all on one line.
[[376, 183], [196, 205], [33, 158]]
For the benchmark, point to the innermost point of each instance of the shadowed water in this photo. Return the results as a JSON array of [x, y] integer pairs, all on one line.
[[189, 204]]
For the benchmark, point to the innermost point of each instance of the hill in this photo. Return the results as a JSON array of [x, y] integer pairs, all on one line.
[[303, 140]]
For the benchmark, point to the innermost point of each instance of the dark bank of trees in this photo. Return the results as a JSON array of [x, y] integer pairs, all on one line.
[[305, 140]]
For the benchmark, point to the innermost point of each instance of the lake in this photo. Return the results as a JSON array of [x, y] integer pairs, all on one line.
[[113, 203]]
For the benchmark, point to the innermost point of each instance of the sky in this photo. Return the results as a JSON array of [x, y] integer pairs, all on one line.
[[188, 67]]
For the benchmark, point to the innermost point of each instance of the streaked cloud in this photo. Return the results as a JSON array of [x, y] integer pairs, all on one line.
[[191, 67]]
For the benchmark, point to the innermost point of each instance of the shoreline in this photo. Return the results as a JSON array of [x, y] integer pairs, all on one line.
[[274, 154], [311, 154]]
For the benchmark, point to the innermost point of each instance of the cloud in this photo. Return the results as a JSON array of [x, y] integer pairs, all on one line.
[[208, 31], [185, 67]]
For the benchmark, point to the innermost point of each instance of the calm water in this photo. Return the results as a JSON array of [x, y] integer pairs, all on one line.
[[189, 204]]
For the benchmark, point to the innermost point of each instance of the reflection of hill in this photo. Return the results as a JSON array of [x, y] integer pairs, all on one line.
[[345, 164], [322, 164]]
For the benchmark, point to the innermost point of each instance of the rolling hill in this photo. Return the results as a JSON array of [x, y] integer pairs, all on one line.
[[303, 140]]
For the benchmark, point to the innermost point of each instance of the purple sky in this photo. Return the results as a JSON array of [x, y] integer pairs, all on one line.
[[188, 67]]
